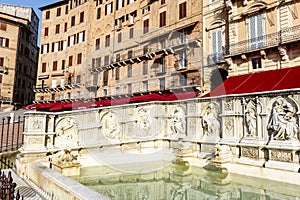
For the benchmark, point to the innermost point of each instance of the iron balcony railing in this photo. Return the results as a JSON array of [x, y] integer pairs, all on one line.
[[266, 41]]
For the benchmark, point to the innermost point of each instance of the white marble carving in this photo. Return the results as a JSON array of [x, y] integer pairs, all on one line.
[[143, 119], [210, 122], [283, 52], [109, 125], [178, 122], [250, 119], [283, 122], [66, 133]]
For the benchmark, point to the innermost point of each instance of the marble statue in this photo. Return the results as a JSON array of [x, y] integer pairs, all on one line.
[[67, 133], [251, 120], [65, 158], [210, 121], [282, 124], [178, 122], [109, 126], [143, 119]]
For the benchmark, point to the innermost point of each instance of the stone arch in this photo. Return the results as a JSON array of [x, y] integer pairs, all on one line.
[[217, 23], [254, 8], [218, 76]]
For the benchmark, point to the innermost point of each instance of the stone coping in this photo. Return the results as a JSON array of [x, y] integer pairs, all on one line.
[[60, 186]]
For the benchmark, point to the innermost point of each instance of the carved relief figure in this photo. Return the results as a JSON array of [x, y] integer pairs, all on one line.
[[143, 119], [109, 126], [178, 122], [210, 122], [66, 132], [283, 123], [251, 120]]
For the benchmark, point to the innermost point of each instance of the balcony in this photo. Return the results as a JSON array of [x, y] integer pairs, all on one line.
[[58, 88], [263, 42], [3, 70], [214, 58]]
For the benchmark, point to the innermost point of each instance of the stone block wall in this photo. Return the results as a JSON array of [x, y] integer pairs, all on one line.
[[261, 127]]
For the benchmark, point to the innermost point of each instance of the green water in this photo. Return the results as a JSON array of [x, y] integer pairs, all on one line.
[[180, 181]]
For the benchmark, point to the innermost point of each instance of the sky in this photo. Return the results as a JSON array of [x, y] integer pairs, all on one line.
[[35, 4]]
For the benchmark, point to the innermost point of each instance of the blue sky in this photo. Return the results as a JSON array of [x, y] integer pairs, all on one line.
[[35, 4]]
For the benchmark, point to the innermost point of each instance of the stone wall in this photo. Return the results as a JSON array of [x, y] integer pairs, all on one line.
[[263, 127]]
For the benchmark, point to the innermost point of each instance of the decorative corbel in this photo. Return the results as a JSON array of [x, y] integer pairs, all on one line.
[[229, 63], [229, 6], [244, 57], [283, 52], [263, 54]]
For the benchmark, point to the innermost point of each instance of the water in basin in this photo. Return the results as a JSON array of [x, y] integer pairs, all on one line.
[[164, 181]]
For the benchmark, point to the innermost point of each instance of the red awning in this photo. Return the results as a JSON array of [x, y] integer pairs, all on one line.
[[273, 80], [181, 96]]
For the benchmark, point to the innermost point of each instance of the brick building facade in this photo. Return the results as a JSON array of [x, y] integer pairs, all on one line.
[[18, 55]]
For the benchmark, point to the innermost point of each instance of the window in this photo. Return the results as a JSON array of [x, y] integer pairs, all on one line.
[[3, 26], [78, 79], [120, 4], [119, 37], [62, 82], [6, 43], [81, 37], [66, 27], [57, 29], [182, 61], [70, 61], [73, 21], [106, 60], [146, 10], [53, 83], [1, 62], [98, 13], [145, 67], [63, 64], [162, 83], [162, 66], [97, 46], [183, 79], [129, 70], [118, 56], [108, 8], [145, 86], [44, 66], [105, 78], [162, 2], [129, 88], [58, 12], [107, 40], [67, 10], [1, 78], [146, 26], [81, 17], [130, 54], [117, 73], [256, 63], [216, 46], [145, 49], [182, 10], [46, 32], [48, 14], [131, 33], [256, 31], [79, 58], [95, 79], [162, 19], [54, 66], [52, 96]]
